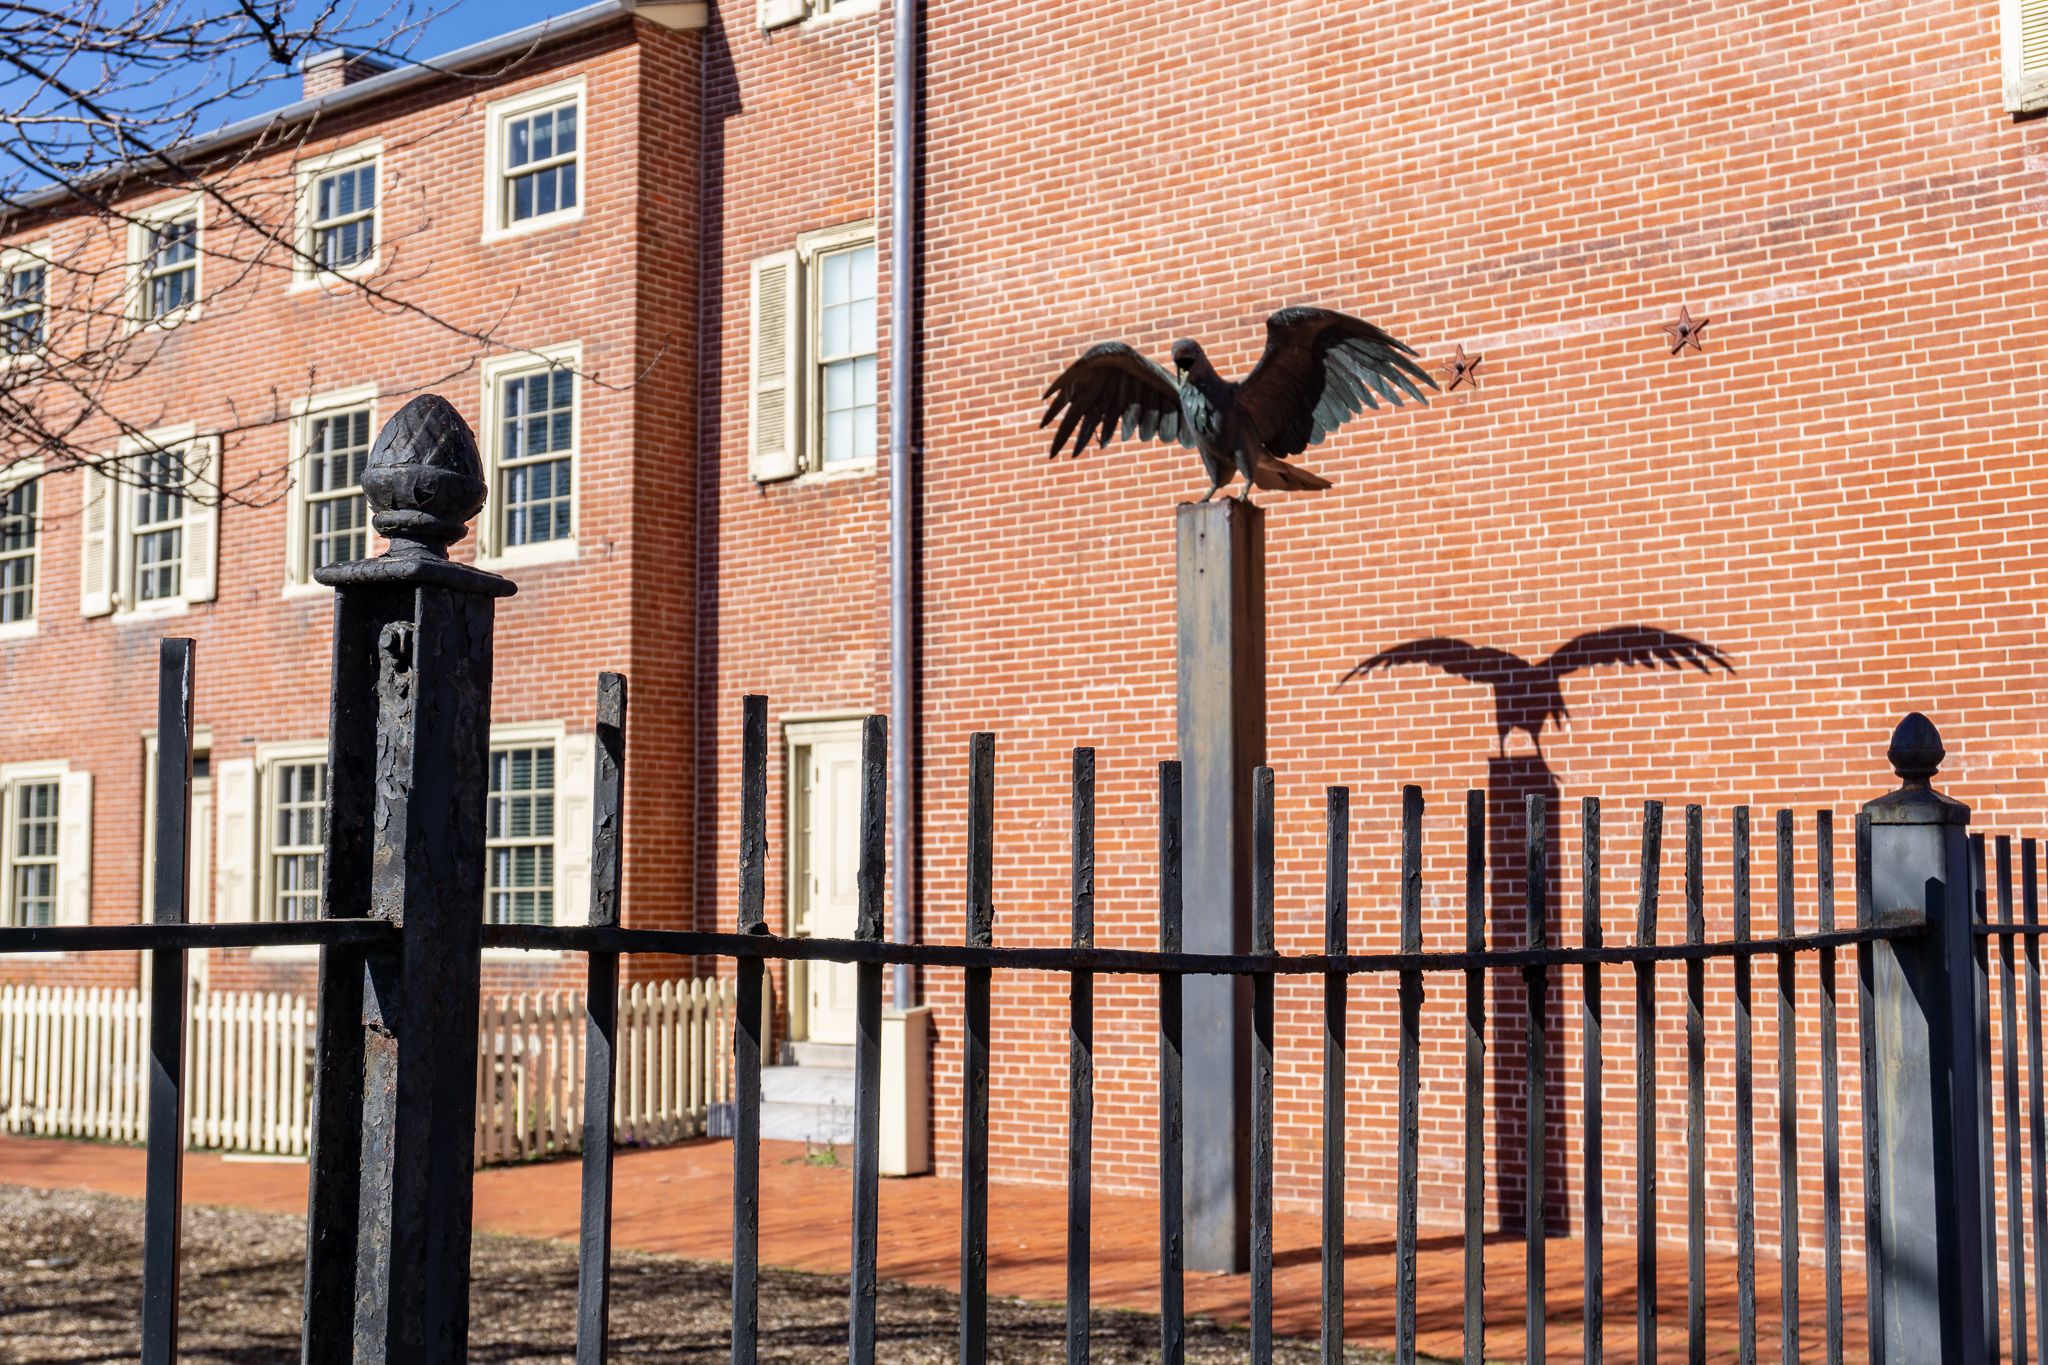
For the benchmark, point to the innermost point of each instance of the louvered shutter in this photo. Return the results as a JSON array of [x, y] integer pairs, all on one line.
[[74, 848], [778, 13], [775, 331], [575, 789], [234, 880], [96, 544], [202, 520], [2026, 55]]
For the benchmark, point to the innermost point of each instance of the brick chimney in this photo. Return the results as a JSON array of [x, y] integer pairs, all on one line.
[[339, 66]]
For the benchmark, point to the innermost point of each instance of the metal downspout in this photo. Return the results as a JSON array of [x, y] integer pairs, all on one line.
[[902, 344]]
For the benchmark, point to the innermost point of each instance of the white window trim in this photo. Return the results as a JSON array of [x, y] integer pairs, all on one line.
[[11, 774], [14, 258], [802, 733], [2024, 91], [298, 580], [306, 275], [144, 221], [10, 479], [512, 735], [121, 522], [201, 889], [268, 757], [500, 112], [774, 14], [491, 552], [809, 247]]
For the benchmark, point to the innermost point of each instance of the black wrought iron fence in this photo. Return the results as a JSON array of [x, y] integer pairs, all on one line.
[[345, 1131], [401, 939]]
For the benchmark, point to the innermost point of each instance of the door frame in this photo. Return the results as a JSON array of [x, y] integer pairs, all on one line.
[[799, 733]]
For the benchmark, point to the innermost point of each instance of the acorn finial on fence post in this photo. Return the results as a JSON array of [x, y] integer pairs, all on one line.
[[1916, 753], [424, 478]]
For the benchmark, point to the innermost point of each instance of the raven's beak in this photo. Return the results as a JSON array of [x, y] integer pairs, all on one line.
[[1180, 377]]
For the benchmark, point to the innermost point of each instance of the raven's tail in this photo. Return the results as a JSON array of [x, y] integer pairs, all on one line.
[[1278, 474]]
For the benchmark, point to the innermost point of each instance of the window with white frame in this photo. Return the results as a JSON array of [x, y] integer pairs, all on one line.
[[297, 792], [170, 266], [540, 163], [813, 352], [23, 303], [33, 808], [531, 430], [45, 844], [520, 835], [534, 150], [537, 438], [344, 217], [337, 518], [19, 529], [846, 354], [149, 526]]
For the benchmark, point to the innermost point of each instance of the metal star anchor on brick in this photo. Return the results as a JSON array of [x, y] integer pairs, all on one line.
[[1320, 369], [1686, 331]]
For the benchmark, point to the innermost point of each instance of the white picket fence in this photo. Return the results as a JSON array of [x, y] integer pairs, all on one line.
[[74, 1063]]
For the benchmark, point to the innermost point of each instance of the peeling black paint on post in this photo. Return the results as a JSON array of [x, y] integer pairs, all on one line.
[[981, 923], [1407, 1159], [1172, 1261], [1536, 1085], [1695, 1100], [867, 1041], [1475, 1081], [1830, 1087], [1592, 1156], [600, 1028], [746, 1035], [1336, 1003], [1081, 1063], [421, 626], [163, 1200], [1648, 872], [1262, 1072], [1788, 1107], [1745, 1111]]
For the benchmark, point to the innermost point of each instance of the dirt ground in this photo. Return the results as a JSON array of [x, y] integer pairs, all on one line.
[[71, 1277]]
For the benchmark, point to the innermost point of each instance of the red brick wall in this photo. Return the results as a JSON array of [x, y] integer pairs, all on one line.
[[1836, 493]]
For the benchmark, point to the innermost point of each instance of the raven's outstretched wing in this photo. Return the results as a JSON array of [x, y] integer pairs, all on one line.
[[1112, 384], [1645, 646], [1486, 665], [1319, 371]]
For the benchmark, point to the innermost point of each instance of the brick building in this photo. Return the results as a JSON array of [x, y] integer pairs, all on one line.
[[1834, 492]]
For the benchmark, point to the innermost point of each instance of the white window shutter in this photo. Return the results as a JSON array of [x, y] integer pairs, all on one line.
[[234, 878], [96, 544], [775, 332], [778, 13], [202, 520], [2025, 39], [575, 790], [74, 848]]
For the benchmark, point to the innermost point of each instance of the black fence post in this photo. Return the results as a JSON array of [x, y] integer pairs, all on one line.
[[601, 1028], [163, 1212], [408, 747], [1936, 1252]]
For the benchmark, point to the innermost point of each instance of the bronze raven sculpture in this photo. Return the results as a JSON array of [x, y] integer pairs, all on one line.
[[1320, 370], [1527, 696]]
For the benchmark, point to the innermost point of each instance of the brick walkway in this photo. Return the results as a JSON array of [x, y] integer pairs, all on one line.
[[676, 1201]]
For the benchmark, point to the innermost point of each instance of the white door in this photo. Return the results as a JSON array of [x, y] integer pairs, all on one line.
[[832, 899]]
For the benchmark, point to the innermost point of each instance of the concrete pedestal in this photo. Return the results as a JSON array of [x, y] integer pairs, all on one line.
[[1221, 713]]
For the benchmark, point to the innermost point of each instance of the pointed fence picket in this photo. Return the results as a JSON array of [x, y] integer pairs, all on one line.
[[73, 1063]]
